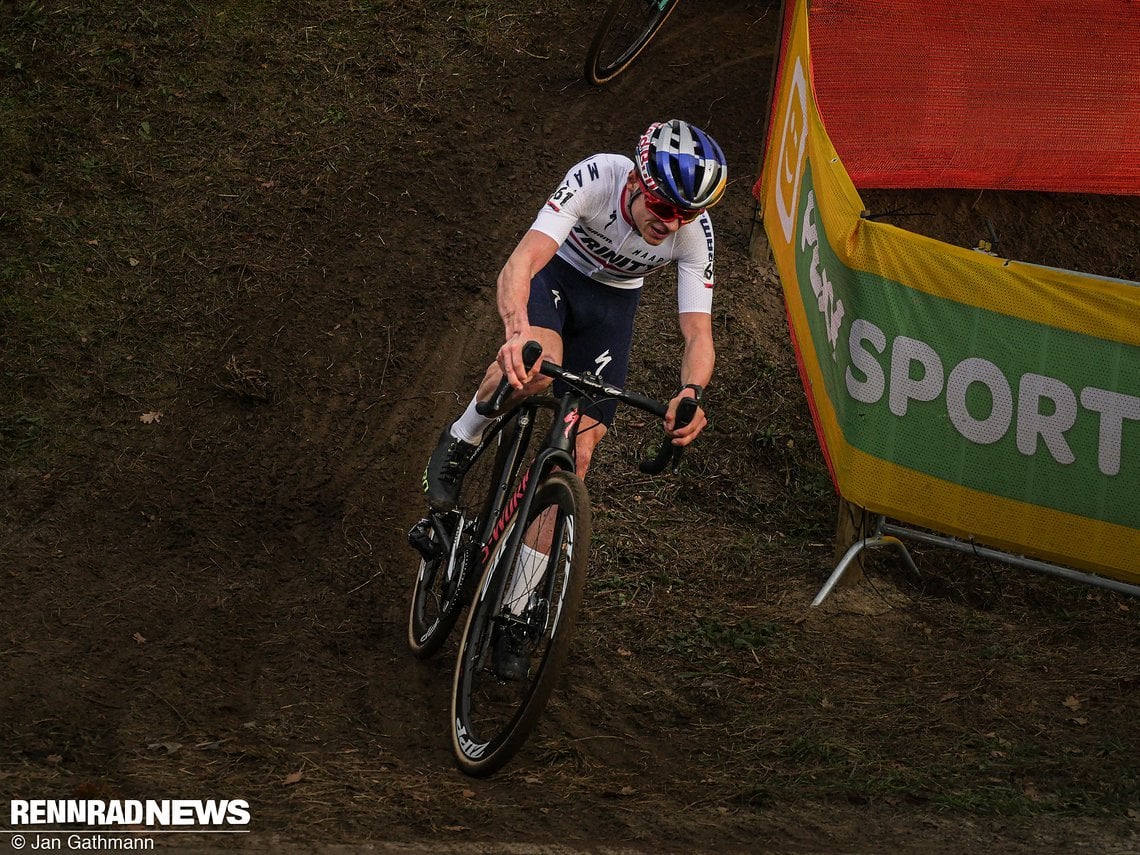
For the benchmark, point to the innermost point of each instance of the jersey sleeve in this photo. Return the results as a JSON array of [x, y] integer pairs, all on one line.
[[695, 252], [584, 192]]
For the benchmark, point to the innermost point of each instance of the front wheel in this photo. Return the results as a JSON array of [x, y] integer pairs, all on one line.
[[623, 34], [519, 628]]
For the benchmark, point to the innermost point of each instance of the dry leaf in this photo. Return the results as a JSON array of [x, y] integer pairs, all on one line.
[[54, 759], [150, 418], [293, 778], [624, 652], [1072, 702], [133, 262], [468, 794], [138, 637]]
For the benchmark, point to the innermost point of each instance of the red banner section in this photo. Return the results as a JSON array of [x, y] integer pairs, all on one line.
[[997, 94]]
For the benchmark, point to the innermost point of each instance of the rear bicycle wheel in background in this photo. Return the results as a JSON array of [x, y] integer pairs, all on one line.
[[491, 715], [626, 29], [442, 587]]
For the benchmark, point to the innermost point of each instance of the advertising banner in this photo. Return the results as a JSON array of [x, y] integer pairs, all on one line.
[[976, 396], [1013, 94]]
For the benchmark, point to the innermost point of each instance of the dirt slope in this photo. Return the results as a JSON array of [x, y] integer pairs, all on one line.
[[250, 259]]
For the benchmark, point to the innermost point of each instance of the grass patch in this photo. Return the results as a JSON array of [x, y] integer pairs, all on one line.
[[711, 636]]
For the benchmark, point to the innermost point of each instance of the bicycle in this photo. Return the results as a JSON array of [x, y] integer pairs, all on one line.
[[523, 609], [625, 31]]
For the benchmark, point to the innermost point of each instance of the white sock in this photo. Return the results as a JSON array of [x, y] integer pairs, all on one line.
[[469, 427], [528, 571]]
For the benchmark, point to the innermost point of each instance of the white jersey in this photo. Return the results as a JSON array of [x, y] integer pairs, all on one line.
[[588, 216]]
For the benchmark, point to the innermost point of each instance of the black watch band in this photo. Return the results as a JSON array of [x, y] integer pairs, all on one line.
[[697, 388]]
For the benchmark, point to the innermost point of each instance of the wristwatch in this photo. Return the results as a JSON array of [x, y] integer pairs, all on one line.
[[698, 390]]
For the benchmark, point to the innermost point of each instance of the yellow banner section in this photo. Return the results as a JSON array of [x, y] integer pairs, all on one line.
[[979, 397]]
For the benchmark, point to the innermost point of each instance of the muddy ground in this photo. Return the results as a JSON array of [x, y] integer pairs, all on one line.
[[247, 253]]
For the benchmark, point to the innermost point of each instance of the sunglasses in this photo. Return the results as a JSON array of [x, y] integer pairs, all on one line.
[[666, 211]]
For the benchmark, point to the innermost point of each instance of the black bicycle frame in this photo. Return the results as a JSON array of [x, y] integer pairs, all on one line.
[[556, 452]]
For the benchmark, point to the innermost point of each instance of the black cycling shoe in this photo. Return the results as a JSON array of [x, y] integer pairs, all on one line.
[[446, 467], [510, 659]]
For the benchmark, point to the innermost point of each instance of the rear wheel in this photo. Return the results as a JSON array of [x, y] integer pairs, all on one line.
[[437, 595], [442, 586], [528, 624], [623, 34]]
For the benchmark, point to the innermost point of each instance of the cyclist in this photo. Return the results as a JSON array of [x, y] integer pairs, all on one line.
[[573, 284]]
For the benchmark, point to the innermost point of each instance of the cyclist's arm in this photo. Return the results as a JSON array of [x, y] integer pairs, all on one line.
[[512, 293], [696, 367], [694, 307]]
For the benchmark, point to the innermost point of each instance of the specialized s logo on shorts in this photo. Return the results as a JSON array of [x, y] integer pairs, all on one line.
[[602, 360]]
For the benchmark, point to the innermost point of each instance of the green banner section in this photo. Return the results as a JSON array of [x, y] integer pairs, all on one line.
[[999, 404]]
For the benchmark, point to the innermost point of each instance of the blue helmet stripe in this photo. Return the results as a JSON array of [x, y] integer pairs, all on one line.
[[683, 163]]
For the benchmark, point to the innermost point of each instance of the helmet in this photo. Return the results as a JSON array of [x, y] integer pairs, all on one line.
[[681, 164]]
